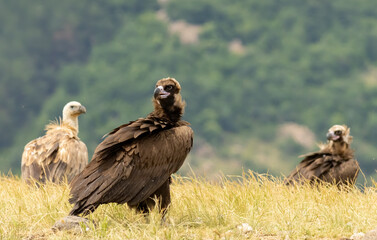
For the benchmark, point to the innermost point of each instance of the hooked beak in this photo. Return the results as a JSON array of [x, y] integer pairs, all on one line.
[[82, 109], [332, 136], [159, 91]]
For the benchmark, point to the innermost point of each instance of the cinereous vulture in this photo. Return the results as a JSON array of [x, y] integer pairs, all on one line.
[[133, 164], [59, 154], [333, 163]]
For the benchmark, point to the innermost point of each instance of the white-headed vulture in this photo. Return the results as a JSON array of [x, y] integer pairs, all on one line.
[[59, 154]]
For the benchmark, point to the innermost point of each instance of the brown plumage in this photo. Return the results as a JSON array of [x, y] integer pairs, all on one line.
[[59, 154], [333, 163], [133, 164]]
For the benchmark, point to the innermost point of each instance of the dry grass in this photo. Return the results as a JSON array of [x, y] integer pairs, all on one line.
[[200, 210]]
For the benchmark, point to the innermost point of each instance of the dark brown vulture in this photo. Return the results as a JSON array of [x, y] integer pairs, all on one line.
[[333, 163], [134, 162], [59, 154]]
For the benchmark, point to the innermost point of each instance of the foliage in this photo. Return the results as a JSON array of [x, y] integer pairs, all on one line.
[[311, 63]]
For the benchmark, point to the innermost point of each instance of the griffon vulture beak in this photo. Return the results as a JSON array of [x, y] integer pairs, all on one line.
[[159, 91], [82, 109]]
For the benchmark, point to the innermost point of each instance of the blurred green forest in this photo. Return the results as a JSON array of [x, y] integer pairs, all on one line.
[[263, 80]]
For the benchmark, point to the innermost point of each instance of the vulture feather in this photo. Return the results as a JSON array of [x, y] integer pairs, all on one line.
[[133, 164], [333, 163], [59, 154]]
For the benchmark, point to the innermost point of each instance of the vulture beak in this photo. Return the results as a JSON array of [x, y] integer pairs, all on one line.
[[159, 91], [332, 136], [82, 109]]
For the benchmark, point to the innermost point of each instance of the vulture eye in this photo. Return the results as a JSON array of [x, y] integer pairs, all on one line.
[[72, 107], [168, 87], [338, 132]]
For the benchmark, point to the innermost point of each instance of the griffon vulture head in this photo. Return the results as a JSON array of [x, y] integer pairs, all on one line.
[[71, 112]]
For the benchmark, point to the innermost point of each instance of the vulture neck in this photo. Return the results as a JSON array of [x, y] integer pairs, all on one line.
[[170, 109], [72, 121], [340, 148]]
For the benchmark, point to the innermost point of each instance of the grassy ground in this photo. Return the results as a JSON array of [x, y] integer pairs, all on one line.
[[200, 210]]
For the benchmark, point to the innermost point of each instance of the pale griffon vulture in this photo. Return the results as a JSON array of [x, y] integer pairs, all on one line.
[[59, 154]]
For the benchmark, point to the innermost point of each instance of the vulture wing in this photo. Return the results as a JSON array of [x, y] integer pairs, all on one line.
[[53, 157], [326, 167], [71, 159], [131, 163], [312, 167]]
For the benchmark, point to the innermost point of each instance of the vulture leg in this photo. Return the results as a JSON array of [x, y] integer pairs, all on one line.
[[163, 196]]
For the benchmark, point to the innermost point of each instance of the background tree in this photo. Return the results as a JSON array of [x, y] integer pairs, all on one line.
[[255, 68]]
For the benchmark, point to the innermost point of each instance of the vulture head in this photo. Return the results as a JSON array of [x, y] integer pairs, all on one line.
[[340, 134], [71, 112], [166, 89], [167, 99]]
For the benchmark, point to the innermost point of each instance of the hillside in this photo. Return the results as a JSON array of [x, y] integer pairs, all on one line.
[[248, 207], [263, 80]]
